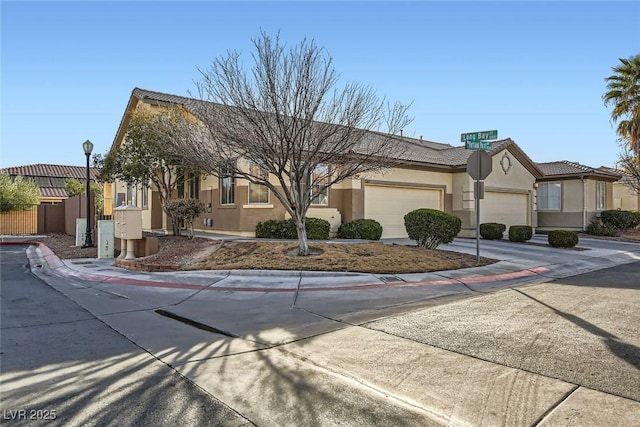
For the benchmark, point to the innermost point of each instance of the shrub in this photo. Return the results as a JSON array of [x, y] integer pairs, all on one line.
[[430, 227], [276, 229], [492, 230], [636, 218], [317, 229], [368, 229], [563, 238], [619, 219], [183, 211], [598, 228], [520, 233]]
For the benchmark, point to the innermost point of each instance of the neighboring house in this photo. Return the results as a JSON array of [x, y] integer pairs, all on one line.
[[50, 179], [625, 197], [431, 175], [570, 195]]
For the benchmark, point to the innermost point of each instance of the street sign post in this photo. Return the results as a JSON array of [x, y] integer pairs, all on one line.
[[479, 167]]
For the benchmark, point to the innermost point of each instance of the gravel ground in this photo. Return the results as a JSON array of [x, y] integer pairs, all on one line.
[[174, 250]]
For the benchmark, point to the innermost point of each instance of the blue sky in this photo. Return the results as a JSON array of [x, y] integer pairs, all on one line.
[[532, 70]]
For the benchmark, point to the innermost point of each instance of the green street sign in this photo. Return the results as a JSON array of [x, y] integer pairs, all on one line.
[[479, 136], [478, 145]]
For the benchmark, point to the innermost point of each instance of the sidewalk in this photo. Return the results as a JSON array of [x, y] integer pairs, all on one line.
[[314, 357]]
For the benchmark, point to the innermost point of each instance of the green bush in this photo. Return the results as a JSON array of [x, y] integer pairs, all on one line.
[[18, 194], [368, 229], [563, 238], [276, 229], [636, 219], [430, 227], [520, 233], [317, 229], [619, 219], [492, 230], [598, 228], [184, 211]]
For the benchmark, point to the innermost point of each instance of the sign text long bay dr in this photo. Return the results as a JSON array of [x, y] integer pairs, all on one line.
[[478, 140]]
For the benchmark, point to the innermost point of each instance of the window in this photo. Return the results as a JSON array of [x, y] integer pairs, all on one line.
[[227, 187], [193, 183], [319, 178], [258, 194], [180, 183], [601, 196], [131, 195], [549, 196], [145, 196]]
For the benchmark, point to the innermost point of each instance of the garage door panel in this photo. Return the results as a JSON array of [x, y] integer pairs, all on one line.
[[388, 205], [504, 208]]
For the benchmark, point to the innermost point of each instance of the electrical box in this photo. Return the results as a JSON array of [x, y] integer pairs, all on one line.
[[105, 239], [81, 231], [128, 222]]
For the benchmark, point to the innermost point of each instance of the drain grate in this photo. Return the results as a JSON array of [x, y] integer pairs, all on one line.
[[81, 262], [195, 324], [390, 279]]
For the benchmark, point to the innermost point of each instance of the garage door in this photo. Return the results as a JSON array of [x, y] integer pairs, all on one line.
[[388, 205], [505, 208]]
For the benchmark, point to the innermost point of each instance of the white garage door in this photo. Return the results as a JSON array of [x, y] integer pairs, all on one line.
[[504, 208], [388, 205]]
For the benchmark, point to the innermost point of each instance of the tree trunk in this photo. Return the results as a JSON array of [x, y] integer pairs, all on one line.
[[303, 245]]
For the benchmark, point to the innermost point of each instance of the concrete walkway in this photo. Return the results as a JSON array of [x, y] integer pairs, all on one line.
[[315, 348]]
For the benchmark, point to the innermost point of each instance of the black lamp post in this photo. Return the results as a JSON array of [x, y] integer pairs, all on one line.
[[87, 146]]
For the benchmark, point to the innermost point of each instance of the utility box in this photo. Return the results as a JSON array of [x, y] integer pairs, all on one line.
[[105, 239], [128, 222], [81, 231]]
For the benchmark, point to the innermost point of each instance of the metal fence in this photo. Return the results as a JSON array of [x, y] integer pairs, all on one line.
[[21, 220]]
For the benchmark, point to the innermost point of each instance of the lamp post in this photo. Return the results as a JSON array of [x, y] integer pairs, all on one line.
[[87, 146]]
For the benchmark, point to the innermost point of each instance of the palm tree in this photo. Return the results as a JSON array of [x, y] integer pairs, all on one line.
[[623, 92]]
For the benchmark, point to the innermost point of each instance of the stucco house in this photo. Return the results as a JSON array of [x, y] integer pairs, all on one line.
[[570, 194], [429, 175]]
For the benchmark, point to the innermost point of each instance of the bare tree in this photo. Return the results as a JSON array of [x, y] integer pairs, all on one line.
[[289, 119], [629, 163]]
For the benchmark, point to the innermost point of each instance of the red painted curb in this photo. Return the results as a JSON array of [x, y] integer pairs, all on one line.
[[56, 264]]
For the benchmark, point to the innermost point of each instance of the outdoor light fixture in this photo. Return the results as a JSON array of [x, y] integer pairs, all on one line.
[[87, 146]]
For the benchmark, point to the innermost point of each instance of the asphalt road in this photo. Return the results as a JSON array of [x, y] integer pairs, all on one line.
[[63, 366]]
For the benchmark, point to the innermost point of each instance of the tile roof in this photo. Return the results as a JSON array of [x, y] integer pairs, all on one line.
[[50, 179], [51, 192], [415, 150], [57, 171], [567, 168]]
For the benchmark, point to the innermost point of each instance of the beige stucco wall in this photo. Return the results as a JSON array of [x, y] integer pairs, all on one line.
[[508, 176], [624, 197], [578, 205]]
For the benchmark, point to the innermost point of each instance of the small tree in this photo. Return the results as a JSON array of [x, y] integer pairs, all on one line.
[[288, 117], [17, 194], [184, 211], [146, 153], [73, 187]]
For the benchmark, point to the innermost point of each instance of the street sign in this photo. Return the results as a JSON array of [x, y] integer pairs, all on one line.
[[478, 145], [480, 168], [479, 136]]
